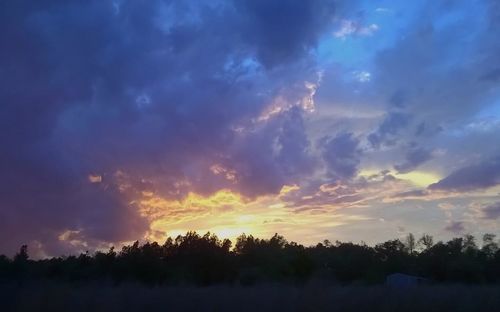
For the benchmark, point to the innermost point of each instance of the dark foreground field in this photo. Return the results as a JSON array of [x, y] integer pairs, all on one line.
[[65, 297]]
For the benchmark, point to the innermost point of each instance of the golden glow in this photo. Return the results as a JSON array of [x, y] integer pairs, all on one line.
[[72, 238], [219, 199], [94, 178], [306, 217], [228, 215], [417, 178], [366, 173], [67, 235], [281, 104], [288, 189], [229, 175]]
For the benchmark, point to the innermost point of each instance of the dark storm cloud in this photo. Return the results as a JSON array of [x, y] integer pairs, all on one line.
[[283, 30], [152, 89], [477, 176], [455, 227], [414, 158], [491, 211], [388, 129], [398, 99], [294, 147], [342, 155], [425, 130], [274, 154]]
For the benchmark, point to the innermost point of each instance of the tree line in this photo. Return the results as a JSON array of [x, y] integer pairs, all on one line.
[[205, 259]]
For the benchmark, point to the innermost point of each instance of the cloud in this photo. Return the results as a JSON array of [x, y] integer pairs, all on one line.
[[383, 10], [105, 104], [477, 176], [491, 211], [426, 99], [349, 27], [392, 124], [340, 194], [341, 155], [455, 227], [492, 75], [414, 158], [283, 30], [440, 92], [102, 101], [413, 194], [362, 76], [271, 155]]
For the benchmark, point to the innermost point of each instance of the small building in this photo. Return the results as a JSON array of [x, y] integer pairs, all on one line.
[[404, 280]]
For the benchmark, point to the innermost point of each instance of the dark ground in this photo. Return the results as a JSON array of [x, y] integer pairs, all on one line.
[[53, 296]]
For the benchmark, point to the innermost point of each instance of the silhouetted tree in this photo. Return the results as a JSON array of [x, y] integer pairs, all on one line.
[[426, 241], [490, 247], [410, 243], [206, 259], [22, 255]]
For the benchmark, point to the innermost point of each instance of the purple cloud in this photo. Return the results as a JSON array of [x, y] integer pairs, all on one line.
[[342, 155], [149, 96], [169, 97], [414, 158], [387, 130], [491, 211], [455, 227], [478, 176]]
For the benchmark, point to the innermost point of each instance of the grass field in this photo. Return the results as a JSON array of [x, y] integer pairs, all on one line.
[[92, 297]]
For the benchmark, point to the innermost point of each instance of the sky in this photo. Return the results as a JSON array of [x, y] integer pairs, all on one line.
[[355, 120]]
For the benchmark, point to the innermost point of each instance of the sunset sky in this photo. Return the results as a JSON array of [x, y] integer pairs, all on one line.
[[341, 120]]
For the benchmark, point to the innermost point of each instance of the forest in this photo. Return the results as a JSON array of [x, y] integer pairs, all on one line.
[[203, 260]]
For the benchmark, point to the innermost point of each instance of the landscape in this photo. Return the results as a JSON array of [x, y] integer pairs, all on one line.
[[249, 155], [192, 270]]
